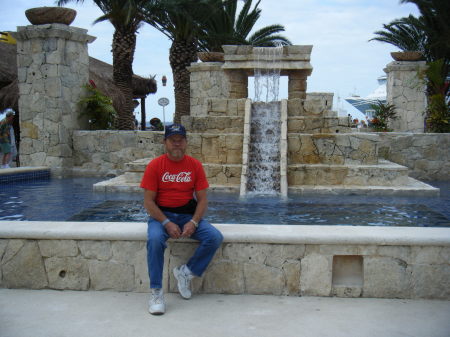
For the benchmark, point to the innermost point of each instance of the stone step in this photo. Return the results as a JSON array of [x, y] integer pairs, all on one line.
[[215, 173], [332, 148], [308, 124], [412, 187], [213, 124], [318, 105], [383, 174], [225, 107], [137, 165]]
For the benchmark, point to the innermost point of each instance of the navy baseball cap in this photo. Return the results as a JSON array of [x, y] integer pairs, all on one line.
[[174, 129]]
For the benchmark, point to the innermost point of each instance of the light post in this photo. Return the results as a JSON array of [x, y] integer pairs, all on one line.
[[163, 101]]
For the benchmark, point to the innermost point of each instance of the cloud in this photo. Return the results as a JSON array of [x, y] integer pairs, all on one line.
[[343, 59]]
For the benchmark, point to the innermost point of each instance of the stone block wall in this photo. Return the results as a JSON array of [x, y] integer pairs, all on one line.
[[103, 152], [426, 155], [407, 92], [216, 148], [53, 64], [332, 149], [351, 270], [207, 81], [74, 264]]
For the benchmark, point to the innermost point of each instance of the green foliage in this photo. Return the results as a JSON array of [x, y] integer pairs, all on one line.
[[98, 109], [224, 26], [429, 34], [383, 114], [438, 114], [407, 34], [438, 110]]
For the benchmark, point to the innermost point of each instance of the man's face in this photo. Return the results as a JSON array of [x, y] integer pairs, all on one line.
[[10, 119], [176, 147]]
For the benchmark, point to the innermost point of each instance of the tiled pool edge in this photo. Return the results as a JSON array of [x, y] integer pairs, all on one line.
[[390, 262], [23, 173]]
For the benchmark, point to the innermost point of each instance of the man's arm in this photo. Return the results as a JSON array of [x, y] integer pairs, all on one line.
[[202, 204], [155, 212]]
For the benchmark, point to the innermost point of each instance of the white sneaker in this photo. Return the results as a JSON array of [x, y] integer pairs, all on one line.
[[157, 305], [184, 277]]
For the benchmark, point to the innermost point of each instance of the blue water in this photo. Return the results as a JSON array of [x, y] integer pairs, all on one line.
[[73, 199]]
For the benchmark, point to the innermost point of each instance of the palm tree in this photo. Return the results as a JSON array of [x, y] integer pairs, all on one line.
[[430, 34], [195, 25], [179, 21], [225, 26], [407, 34], [435, 15], [126, 17]]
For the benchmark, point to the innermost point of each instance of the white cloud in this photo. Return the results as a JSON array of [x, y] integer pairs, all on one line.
[[343, 59]]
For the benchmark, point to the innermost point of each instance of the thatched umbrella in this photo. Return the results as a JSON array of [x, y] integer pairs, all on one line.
[[100, 72]]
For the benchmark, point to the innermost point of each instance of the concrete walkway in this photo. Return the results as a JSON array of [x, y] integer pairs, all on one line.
[[50, 313]]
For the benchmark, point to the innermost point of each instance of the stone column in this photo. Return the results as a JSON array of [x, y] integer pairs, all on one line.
[[406, 91], [207, 81], [297, 83], [53, 64], [238, 80]]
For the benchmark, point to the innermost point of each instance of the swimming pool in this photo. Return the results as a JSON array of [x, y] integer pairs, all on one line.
[[72, 199]]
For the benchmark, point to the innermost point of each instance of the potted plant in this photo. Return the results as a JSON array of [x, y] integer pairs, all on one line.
[[383, 114]]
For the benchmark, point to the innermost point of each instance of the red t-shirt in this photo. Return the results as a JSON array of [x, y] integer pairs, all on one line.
[[174, 182]]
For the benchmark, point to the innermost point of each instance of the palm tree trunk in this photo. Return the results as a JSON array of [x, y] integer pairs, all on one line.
[[124, 44], [182, 54]]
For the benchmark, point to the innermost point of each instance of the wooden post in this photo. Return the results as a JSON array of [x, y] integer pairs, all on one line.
[[143, 113]]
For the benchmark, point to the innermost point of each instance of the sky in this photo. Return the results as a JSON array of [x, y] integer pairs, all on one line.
[[343, 60]]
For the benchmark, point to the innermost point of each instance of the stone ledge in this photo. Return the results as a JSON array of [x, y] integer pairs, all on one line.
[[412, 188], [272, 234], [24, 169]]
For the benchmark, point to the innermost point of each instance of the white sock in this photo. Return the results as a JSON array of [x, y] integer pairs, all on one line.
[[186, 270]]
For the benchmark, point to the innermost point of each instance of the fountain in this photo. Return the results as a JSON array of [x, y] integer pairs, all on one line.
[[265, 127], [317, 150]]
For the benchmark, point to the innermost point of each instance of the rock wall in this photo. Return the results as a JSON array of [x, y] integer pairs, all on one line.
[[107, 152], [426, 155], [407, 92], [238, 268], [53, 64]]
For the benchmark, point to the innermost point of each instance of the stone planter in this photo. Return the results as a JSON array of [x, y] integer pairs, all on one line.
[[46, 15], [407, 56], [211, 56]]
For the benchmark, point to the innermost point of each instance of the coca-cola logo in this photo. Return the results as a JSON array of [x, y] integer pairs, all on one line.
[[182, 177]]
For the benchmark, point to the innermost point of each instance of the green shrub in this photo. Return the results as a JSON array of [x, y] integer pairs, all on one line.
[[97, 108], [383, 114]]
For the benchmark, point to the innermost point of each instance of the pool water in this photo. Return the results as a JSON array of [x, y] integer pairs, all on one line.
[[73, 199]]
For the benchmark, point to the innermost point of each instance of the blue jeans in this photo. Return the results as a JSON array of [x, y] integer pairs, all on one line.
[[210, 239]]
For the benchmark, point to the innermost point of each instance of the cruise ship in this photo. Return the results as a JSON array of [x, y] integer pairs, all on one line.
[[364, 104]]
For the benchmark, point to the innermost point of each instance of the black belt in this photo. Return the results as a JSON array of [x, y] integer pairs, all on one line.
[[189, 208]]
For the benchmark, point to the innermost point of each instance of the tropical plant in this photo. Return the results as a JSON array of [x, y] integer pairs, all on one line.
[[97, 108], [407, 34], [179, 21], [227, 27], [438, 110], [429, 34], [126, 17], [195, 25], [384, 113]]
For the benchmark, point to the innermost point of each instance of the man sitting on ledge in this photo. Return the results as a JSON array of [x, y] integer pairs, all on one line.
[[175, 197]]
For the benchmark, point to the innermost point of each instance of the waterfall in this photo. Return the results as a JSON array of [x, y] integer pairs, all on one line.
[[265, 125], [264, 150], [267, 73]]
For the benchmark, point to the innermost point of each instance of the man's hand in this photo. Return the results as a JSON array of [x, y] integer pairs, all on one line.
[[188, 229], [173, 230]]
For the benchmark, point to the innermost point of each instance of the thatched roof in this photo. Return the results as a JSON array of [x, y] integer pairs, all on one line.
[[100, 72]]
